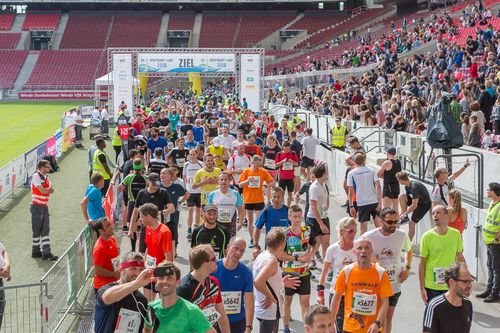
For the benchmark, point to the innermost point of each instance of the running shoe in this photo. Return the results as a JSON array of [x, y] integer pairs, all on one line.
[[404, 220], [189, 235], [245, 222]]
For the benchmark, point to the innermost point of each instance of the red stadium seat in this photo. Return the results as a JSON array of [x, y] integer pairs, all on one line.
[[12, 61], [6, 20], [41, 21], [9, 40]]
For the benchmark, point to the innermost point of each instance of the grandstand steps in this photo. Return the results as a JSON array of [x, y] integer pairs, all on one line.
[[108, 34], [162, 36], [18, 23], [298, 17], [26, 70], [274, 39], [56, 39], [24, 41], [330, 27], [236, 32], [195, 36], [291, 42]]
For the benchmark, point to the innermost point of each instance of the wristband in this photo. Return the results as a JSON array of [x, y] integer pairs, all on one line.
[[249, 326], [320, 287], [378, 323]]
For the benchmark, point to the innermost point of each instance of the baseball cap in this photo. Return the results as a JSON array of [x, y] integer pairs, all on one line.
[[216, 142], [154, 178], [391, 150], [210, 207]]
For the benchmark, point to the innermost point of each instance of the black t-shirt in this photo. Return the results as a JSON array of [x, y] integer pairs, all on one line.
[[246, 128], [126, 167], [218, 238], [177, 156], [160, 198], [186, 128], [418, 191], [106, 315], [441, 316], [296, 146], [202, 294], [164, 122]]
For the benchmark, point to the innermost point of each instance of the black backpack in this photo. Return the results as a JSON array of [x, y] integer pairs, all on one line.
[[443, 130]]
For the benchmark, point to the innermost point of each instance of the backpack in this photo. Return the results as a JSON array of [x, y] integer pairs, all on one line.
[[53, 163], [443, 130]]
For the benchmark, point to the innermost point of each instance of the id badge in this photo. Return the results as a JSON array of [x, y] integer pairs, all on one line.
[[128, 321]]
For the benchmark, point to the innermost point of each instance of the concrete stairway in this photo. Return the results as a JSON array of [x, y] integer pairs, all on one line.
[[195, 36], [162, 36], [56, 39], [26, 70]]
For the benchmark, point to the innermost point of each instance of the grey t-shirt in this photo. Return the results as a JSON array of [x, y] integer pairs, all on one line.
[[309, 144]]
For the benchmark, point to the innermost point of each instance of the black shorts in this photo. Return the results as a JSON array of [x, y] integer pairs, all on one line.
[[255, 206], [303, 289], [194, 200], [391, 190], [306, 162], [315, 229], [364, 212], [286, 184], [420, 211], [393, 300]]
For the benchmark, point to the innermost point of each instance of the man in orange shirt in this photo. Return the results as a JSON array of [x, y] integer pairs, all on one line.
[[158, 242], [105, 254], [252, 181], [366, 289]]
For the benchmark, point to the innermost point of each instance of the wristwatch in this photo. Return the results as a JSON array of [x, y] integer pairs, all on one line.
[[378, 323], [408, 267], [249, 326], [320, 287]]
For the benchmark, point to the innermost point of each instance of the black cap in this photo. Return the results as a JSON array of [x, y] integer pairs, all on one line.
[[391, 150], [154, 178]]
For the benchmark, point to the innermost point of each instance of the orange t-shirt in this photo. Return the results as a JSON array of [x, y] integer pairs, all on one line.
[[253, 190], [158, 242], [104, 252], [362, 292]]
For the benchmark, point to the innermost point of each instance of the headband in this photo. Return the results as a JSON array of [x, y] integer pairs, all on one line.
[[132, 263]]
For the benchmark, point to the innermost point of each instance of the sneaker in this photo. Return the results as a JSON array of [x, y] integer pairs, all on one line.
[[125, 228], [252, 245], [346, 204], [404, 220], [313, 277], [318, 256], [245, 222], [492, 298], [484, 294], [36, 254], [313, 265], [287, 330], [50, 257], [189, 235]]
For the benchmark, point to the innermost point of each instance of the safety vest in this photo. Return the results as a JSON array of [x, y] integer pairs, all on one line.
[[37, 197], [290, 126], [117, 140], [338, 136], [97, 165], [492, 225]]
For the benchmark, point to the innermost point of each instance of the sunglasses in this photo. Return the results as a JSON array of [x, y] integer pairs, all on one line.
[[214, 259], [351, 231], [393, 222], [464, 281]]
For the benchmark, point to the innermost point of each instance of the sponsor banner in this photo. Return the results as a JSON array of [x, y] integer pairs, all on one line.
[[186, 63], [72, 134], [250, 80], [51, 147], [18, 171], [122, 82], [66, 139], [59, 142], [41, 151], [5, 181], [73, 95], [30, 162]]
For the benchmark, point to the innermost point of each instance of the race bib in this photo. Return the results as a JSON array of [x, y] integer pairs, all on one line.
[[181, 162], [439, 275], [364, 304], [203, 198], [150, 261], [392, 272], [287, 166], [225, 215], [116, 263], [254, 182], [128, 321], [232, 301], [211, 314], [296, 263], [269, 163], [323, 211]]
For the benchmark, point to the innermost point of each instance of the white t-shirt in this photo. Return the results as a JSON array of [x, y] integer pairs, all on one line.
[[236, 143], [276, 282], [309, 144], [318, 193], [389, 251], [237, 162], [96, 114], [104, 115], [190, 169], [363, 180], [226, 141], [338, 258], [2, 261]]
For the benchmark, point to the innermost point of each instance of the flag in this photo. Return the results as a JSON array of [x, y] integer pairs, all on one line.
[[108, 206]]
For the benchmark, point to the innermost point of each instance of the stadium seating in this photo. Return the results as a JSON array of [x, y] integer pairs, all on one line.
[[255, 28], [41, 21], [12, 61], [181, 21], [313, 20], [217, 30], [9, 40], [65, 69], [6, 20], [86, 32], [135, 30]]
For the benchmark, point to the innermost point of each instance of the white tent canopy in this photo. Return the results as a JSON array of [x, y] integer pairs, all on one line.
[[108, 79]]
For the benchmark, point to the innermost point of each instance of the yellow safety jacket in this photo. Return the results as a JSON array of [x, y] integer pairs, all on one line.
[[492, 225], [97, 165], [117, 140], [338, 136]]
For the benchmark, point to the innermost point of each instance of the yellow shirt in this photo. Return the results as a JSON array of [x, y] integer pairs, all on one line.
[[203, 174]]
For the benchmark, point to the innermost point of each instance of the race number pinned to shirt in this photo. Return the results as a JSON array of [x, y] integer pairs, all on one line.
[[323, 211], [116, 263], [392, 272], [128, 321], [287, 166], [150, 261], [181, 162], [225, 215], [269, 163], [254, 181], [232, 301], [211, 314], [364, 304], [439, 275]]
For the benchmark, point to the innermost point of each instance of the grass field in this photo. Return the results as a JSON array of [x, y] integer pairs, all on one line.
[[23, 125]]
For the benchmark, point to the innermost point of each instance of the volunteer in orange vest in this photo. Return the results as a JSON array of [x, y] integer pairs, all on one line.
[[105, 255], [41, 189]]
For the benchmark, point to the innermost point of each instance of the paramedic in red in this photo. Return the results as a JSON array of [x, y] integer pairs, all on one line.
[[41, 189]]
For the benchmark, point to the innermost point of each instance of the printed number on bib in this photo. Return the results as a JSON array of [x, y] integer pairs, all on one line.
[[392, 271], [232, 301], [254, 182], [116, 263], [211, 314], [128, 321], [439, 275], [298, 264], [181, 162], [150, 261], [269, 163], [225, 215], [364, 304], [288, 166], [323, 211]]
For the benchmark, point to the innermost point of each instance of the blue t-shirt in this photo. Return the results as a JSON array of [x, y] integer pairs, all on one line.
[[272, 217], [239, 279], [94, 206], [174, 119], [161, 142], [198, 133], [190, 144]]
